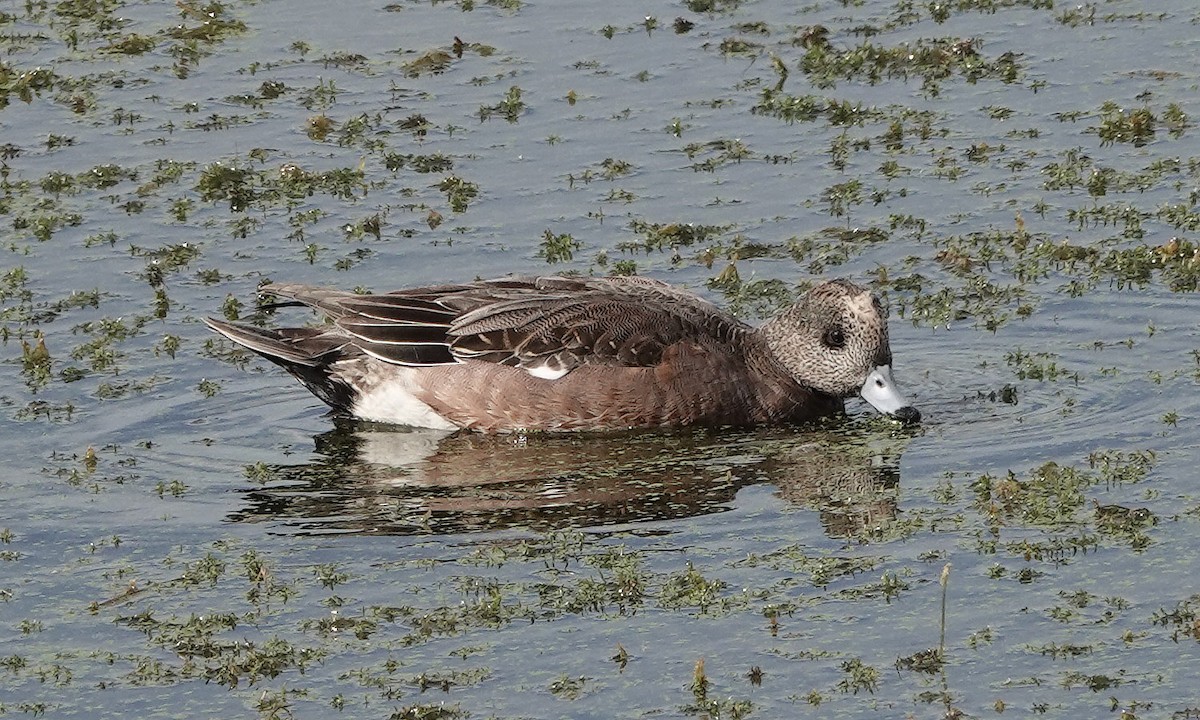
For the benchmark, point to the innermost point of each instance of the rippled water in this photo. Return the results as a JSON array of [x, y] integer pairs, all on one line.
[[187, 533]]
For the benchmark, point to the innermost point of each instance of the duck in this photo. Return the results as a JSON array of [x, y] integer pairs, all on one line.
[[556, 353]]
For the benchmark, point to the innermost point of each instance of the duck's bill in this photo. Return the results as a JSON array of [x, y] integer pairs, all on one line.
[[880, 390]]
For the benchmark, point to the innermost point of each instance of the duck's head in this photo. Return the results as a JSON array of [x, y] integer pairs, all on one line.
[[835, 340]]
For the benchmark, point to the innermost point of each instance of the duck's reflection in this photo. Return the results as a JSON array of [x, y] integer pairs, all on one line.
[[384, 480]]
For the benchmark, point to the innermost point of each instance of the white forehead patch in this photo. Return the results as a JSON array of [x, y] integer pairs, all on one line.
[[863, 308]]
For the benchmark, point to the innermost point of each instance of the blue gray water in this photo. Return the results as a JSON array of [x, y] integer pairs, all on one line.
[[188, 534]]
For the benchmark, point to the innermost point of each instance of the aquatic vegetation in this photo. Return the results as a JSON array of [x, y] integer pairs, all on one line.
[[712, 6], [35, 361], [510, 108], [432, 163], [663, 236], [558, 248], [434, 61], [932, 59], [132, 44], [1182, 618], [459, 192], [690, 589], [717, 153], [25, 85], [1056, 238], [858, 677], [245, 187], [755, 298], [1056, 497]]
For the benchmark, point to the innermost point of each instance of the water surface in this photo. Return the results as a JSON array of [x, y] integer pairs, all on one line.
[[186, 532]]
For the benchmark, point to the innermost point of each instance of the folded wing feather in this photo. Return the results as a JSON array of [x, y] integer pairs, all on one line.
[[547, 326]]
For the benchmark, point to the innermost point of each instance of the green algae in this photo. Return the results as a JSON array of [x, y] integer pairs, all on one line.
[[1088, 203]]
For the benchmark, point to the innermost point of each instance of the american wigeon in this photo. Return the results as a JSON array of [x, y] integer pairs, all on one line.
[[558, 353]]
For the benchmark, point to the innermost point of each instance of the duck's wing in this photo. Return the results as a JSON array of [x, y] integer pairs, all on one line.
[[396, 328], [547, 326], [602, 321]]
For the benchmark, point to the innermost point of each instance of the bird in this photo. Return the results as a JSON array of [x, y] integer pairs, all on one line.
[[558, 353]]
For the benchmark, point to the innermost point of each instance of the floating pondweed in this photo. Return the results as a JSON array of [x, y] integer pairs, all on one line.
[[1018, 188]]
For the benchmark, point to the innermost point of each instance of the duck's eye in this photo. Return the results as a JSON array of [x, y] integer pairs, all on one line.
[[834, 338]]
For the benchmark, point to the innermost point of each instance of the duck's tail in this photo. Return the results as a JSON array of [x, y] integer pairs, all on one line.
[[306, 353]]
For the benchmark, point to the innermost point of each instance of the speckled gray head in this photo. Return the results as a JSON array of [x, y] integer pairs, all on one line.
[[835, 340]]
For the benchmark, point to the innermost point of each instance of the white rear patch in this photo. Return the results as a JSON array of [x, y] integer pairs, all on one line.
[[392, 402]]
